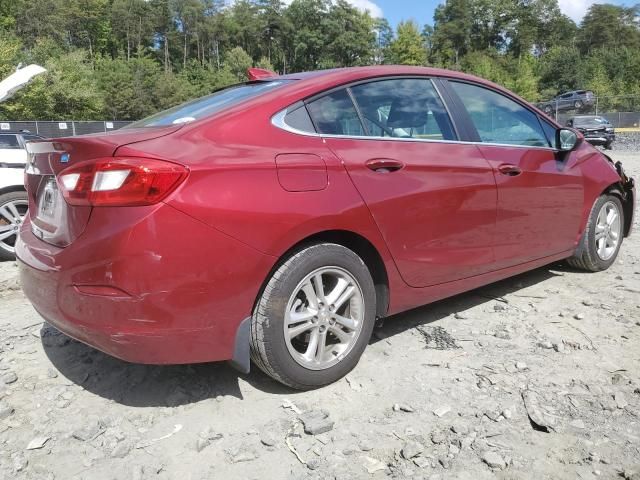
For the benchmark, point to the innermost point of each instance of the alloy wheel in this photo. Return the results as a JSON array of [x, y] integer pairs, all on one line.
[[12, 215], [323, 318], [608, 230]]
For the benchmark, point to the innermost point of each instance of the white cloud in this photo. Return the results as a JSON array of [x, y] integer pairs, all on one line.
[[361, 5], [575, 9]]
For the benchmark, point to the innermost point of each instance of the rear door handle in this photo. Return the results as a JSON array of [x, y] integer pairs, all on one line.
[[384, 165], [509, 170]]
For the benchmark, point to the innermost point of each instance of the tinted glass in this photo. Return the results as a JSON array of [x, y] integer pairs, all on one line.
[[299, 119], [9, 141], [590, 121], [335, 114], [403, 108], [550, 132], [31, 137], [499, 119], [202, 107]]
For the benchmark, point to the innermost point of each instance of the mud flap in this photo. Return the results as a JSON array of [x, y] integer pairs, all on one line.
[[241, 360]]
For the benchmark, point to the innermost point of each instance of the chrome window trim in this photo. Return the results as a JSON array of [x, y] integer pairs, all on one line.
[[277, 121]]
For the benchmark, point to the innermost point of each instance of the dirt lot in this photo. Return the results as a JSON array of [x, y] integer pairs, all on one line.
[[536, 377]]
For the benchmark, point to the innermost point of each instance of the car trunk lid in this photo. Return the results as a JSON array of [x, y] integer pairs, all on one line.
[[53, 220]]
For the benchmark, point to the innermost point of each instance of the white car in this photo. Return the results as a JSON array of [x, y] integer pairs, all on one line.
[[13, 197]]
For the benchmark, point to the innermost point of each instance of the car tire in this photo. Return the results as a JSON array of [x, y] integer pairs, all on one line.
[[608, 146], [595, 252], [10, 203], [578, 104], [292, 293], [548, 110]]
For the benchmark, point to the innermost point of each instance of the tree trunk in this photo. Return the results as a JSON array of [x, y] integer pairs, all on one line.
[[128, 44], [166, 53], [184, 55]]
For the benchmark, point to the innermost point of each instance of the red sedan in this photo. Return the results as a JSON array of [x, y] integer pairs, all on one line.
[[275, 220]]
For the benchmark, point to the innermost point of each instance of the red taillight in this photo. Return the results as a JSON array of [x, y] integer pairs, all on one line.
[[120, 181]]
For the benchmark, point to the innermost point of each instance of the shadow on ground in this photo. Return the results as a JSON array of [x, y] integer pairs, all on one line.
[[175, 385]]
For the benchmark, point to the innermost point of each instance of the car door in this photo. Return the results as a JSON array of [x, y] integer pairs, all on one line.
[[566, 101], [540, 192], [433, 199]]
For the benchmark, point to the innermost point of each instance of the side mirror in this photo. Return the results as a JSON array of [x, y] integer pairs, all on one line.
[[566, 139]]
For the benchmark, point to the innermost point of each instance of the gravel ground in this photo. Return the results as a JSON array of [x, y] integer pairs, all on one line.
[[627, 141], [536, 377]]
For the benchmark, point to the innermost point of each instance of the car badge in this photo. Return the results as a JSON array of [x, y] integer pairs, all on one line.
[[64, 158]]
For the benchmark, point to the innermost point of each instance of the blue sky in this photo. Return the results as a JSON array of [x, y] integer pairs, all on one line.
[[422, 10]]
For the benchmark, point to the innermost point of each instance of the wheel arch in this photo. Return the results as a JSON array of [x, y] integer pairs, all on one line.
[[355, 242], [12, 188], [627, 199]]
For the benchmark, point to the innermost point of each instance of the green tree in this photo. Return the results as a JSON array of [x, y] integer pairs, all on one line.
[[238, 61], [609, 26], [453, 21], [408, 47], [67, 91], [384, 36], [523, 79], [350, 34]]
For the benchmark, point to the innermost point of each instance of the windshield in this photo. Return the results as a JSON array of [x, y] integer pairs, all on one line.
[[590, 121], [204, 106]]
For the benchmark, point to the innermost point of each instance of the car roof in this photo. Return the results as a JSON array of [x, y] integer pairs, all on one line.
[[351, 73]]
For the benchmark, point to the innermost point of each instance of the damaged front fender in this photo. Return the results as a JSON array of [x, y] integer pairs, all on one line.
[[627, 191]]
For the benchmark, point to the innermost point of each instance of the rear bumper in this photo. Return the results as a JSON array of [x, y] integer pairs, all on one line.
[[165, 290]]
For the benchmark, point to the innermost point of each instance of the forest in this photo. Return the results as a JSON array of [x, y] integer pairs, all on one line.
[[125, 59]]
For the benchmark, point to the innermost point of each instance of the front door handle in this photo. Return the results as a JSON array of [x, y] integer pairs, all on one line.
[[509, 170], [384, 165]]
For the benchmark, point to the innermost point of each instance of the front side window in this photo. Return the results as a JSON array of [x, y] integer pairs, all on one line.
[[335, 114], [499, 119], [403, 108], [9, 142]]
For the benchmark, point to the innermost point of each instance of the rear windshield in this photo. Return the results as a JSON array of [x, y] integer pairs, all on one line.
[[204, 106]]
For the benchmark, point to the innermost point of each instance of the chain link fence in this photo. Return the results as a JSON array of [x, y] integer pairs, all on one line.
[[54, 129], [622, 111]]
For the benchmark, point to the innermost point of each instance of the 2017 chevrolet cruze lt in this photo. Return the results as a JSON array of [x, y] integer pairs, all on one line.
[[275, 220]]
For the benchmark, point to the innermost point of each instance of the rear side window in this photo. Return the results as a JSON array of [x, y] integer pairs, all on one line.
[[205, 106], [9, 142], [335, 114], [498, 119], [403, 108], [298, 118]]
